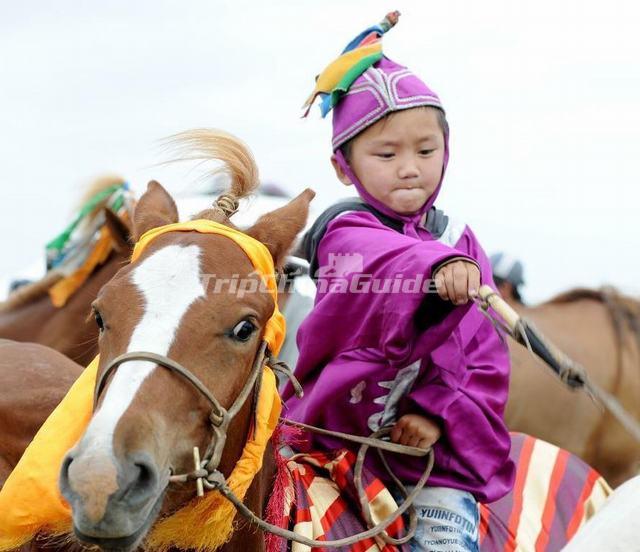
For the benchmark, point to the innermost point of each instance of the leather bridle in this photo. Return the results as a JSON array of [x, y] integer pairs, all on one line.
[[206, 472], [207, 475]]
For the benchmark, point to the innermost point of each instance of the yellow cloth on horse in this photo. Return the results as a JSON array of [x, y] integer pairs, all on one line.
[[30, 501], [207, 523], [258, 254], [65, 288]]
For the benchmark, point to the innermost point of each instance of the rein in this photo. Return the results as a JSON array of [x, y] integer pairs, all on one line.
[[207, 475], [572, 374]]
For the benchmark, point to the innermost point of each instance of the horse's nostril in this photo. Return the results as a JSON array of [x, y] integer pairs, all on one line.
[[64, 473], [66, 463], [143, 481], [145, 476]]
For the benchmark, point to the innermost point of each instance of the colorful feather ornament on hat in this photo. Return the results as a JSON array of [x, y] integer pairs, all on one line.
[[360, 54]]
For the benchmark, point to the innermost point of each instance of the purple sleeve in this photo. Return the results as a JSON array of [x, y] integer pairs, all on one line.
[[379, 287], [466, 391], [464, 384]]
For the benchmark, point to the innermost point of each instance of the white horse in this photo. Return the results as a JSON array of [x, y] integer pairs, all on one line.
[[614, 527]]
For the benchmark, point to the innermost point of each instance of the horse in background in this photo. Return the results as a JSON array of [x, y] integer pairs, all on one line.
[[35, 379], [55, 310], [29, 313], [599, 329]]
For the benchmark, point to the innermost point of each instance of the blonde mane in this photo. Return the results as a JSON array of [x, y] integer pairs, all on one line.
[[34, 290], [236, 159]]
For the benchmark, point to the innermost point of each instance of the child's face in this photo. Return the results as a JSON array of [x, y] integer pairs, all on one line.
[[399, 159]]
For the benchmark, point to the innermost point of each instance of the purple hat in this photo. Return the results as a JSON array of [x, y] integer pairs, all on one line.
[[381, 89], [362, 86]]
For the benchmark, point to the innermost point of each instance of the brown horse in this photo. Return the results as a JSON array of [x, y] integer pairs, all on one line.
[[34, 379], [29, 315], [601, 331], [148, 419]]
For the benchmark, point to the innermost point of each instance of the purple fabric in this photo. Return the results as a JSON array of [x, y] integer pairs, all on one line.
[[381, 89], [568, 497], [352, 338], [354, 344]]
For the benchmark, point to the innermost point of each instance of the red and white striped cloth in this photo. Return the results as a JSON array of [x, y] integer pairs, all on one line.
[[554, 494]]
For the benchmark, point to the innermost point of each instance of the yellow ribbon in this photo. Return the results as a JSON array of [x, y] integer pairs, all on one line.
[[30, 501], [258, 254]]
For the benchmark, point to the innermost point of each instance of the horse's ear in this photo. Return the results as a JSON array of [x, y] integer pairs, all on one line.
[[120, 232], [155, 208], [278, 229]]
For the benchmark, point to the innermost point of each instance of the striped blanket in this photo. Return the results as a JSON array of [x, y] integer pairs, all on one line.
[[321, 502], [554, 494]]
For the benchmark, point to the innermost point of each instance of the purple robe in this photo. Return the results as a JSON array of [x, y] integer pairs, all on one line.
[[368, 358]]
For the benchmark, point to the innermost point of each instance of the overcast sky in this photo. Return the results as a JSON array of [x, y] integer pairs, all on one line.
[[543, 99]]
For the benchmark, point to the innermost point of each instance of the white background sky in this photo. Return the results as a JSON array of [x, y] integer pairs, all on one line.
[[543, 99]]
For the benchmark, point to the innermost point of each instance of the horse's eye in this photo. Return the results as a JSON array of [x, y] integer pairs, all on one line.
[[99, 320], [243, 330]]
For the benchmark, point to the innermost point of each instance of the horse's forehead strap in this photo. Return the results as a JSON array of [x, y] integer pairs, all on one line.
[[257, 252]]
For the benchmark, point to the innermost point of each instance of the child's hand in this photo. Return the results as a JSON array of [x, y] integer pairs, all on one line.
[[414, 430], [457, 281]]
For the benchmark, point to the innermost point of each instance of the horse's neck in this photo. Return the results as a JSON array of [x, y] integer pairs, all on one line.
[[65, 329], [247, 537]]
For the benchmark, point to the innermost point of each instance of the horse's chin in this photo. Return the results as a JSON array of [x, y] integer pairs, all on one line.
[[123, 544]]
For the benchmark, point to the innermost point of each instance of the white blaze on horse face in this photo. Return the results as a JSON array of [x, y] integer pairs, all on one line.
[[169, 281]]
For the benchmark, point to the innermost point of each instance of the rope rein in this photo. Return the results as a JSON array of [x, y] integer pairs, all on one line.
[[208, 477], [572, 374]]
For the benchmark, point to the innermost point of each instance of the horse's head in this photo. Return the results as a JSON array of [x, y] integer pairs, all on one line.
[[180, 298]]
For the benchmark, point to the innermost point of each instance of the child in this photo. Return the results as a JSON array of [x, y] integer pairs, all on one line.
[[378, 349]]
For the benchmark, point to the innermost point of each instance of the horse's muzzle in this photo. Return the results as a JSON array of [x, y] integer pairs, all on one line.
[[114, 503]]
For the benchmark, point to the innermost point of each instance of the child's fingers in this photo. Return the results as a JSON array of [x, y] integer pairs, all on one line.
[[407, 437], [396, 433], [474, 281], [448, 282], [441, 288], [460, 284]]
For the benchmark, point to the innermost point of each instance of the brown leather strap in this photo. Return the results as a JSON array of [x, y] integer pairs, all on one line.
[[220, 417], [206, 473]]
